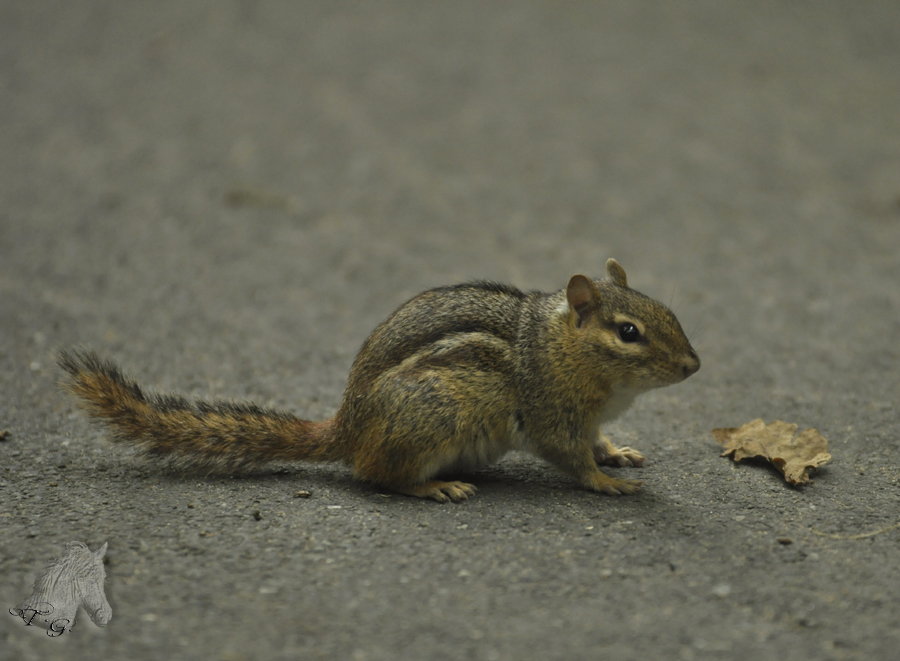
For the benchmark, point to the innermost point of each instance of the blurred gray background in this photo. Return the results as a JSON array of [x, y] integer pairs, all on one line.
[[227, 197]]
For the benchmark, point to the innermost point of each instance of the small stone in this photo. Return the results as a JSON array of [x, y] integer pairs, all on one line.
[[722, 590]]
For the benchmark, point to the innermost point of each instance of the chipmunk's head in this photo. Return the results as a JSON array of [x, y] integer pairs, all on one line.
[[632, 340]]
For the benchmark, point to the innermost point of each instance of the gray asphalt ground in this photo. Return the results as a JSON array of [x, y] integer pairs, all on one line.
[[226, 197]]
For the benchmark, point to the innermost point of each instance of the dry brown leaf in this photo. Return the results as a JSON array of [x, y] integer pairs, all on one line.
[[794, 457]]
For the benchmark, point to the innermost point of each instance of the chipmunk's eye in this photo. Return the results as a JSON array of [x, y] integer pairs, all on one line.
[[628, 332]]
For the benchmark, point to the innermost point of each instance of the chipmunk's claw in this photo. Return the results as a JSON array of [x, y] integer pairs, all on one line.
[[441, 491], [621, 457], [614, 486]]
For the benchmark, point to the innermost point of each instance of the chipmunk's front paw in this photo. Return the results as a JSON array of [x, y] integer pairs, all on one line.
[[607, 454], [618, 457], [614, 486]]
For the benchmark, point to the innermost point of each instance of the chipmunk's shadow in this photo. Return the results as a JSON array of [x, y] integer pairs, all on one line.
[[519, 476], [522, 476], [296, 476]]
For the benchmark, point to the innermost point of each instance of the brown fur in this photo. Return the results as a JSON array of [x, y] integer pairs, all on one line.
[[450, 382], [219, 436]]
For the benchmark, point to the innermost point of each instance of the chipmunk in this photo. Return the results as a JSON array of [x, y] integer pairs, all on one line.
[[453, 380]]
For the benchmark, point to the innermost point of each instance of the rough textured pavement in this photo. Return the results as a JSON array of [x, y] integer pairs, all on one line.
[[226, 197]]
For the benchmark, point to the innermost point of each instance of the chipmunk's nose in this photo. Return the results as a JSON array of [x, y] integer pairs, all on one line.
[[691, 365]]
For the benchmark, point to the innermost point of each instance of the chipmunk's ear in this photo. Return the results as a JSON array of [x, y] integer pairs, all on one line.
[[99, 553], [616, 273], [582, 295]]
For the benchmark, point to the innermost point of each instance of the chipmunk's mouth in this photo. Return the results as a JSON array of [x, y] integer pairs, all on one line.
[[690, 366]]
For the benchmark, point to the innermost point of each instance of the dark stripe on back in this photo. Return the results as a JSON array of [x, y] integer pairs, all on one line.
[[487, 286]]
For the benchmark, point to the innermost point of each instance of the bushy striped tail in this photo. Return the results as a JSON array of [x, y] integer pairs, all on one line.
[[209, 437]]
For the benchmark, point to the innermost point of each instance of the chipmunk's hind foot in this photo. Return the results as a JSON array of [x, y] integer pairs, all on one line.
[[440, 491]]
